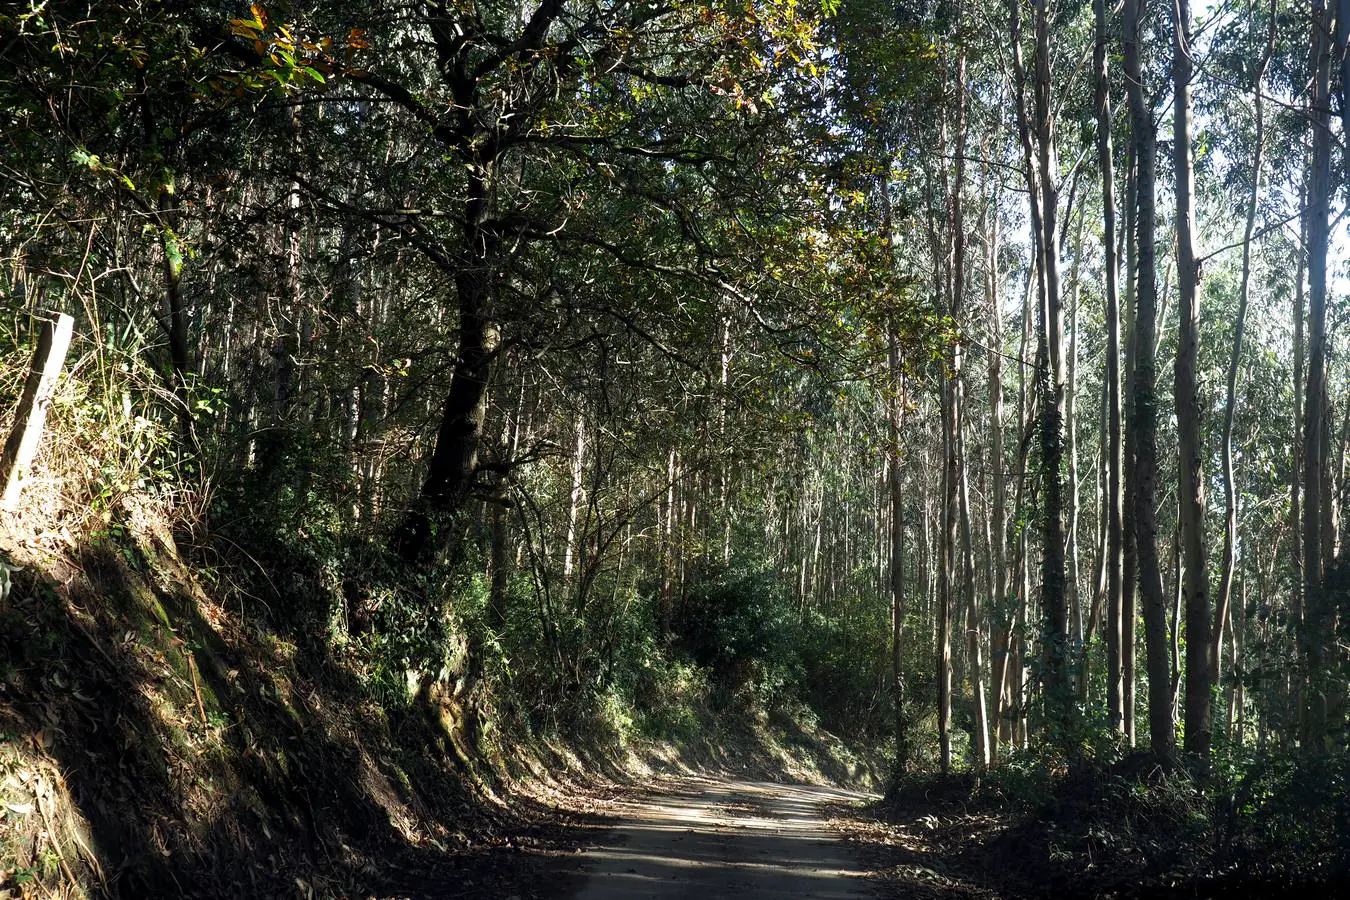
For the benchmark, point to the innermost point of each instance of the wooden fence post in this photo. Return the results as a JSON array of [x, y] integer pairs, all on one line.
[[24, 439]]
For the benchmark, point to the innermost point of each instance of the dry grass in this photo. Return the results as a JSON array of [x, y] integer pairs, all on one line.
[[106, 454]]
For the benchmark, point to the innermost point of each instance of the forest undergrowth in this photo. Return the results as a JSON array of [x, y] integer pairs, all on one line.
[[1111, 824], [165, 731], [463, 408], [157, 741]]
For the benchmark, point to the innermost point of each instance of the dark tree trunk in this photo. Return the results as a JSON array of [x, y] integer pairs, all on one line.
[[1144, 403], [1186, 389], [1319, 615], [1054, 590], [452, 470]]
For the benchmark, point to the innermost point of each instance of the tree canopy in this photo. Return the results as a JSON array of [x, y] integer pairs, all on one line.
[[967, 373]]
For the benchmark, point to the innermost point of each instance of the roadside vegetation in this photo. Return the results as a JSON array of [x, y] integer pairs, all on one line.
[[473, 407]]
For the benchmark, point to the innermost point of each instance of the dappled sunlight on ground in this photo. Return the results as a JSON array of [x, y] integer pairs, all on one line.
[[706, 837]]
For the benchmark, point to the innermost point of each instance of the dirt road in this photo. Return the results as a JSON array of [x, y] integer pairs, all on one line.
[[709, 838]]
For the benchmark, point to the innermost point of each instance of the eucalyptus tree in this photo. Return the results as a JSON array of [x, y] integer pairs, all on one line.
[[1319, 616], [1223, 598], [1113, 561], [1143, 426], [890, 94], [1190, 465], [1036, 126]]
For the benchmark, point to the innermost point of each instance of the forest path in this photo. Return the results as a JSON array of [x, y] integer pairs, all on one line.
[[705, 838]]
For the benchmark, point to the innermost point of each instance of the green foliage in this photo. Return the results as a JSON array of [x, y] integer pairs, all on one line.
[[402, 636], [741, 625], [287, 522], [1275, 813], [846, 671], [290, 512], [668, 694]]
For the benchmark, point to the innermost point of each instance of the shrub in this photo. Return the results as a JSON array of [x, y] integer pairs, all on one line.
[[740, 624]]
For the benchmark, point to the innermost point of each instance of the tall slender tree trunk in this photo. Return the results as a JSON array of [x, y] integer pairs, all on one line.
[[948, 252], [1340, 524], [1021, 657], [1078, 649], [998, 525], [1005, 657], [1054, 600], [1186, 387], [1299, 675], [1038, 150], [946, 579], [897, 580], [1174, 628], [1096, 612], [1129, 555], [956, 419], [666, 527], [974, 657], [571, 545], [724, 465], [1230, 531], [1319, 615], [1144, 403], [1113, 560]]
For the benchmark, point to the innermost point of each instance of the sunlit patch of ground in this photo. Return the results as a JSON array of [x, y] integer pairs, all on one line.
[[701, 837]]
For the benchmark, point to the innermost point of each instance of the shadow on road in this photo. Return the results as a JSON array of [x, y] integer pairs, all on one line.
[[711, 837]]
